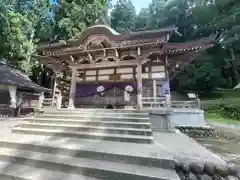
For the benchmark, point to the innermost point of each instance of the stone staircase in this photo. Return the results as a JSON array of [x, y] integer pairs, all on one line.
[[90, 124], [85, 144]]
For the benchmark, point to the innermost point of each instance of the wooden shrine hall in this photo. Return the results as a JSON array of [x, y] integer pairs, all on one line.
[[120, 69]]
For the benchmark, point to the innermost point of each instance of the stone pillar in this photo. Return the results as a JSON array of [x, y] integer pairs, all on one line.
[[139, 84], [72, 89], [155, 91], [13, 92]]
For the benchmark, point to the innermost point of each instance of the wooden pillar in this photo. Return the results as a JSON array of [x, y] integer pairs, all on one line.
[[72, 89], [139, 83], [168, 100], [13, 92], [54, 88], [155, 91], [40, 102]]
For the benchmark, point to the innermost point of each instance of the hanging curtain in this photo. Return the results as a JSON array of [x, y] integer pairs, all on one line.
[[87, 89]]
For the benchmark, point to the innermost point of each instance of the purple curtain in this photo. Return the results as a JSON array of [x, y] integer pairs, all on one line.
[[87, 89], [165, 87]]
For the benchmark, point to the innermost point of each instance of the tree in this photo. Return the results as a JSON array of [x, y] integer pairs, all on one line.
[[123, 16], [209, 70], [21, 24], [142, 20], [72, 17]]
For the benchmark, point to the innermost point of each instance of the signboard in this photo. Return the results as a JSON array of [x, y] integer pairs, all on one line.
[[192, 95]]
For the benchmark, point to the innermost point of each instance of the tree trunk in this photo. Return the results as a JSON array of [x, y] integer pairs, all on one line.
[[234, 67]]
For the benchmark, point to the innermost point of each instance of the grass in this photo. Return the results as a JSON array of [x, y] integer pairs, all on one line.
[[231, 101], [228, 98], [213, 117]]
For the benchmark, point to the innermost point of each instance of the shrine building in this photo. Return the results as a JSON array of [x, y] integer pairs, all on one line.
[[108, 68]]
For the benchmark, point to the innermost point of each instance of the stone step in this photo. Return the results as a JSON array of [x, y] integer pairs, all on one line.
[[143, 125], [85, 135], [79, 110], [97, 113], [94, 117], [96, 129], [100, 169], [147, 155], [14, 171]]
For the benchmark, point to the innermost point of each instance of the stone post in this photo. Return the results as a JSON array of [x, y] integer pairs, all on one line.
[[139, 84], [198, 103], [72, 89], [13, 91]]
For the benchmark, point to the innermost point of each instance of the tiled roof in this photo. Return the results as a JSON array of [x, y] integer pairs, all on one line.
[[15, 77]]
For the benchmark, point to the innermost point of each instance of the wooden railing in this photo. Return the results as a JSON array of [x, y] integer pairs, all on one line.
[[153, 102], [160, 102]]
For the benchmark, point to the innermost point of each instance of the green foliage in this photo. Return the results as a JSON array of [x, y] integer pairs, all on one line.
[[24, 23], [209, 71], [123, 16], [225, 111], [73, 17]]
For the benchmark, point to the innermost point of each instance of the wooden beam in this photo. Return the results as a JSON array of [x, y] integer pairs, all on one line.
[[139, 51], [104, 65], [90, 57]]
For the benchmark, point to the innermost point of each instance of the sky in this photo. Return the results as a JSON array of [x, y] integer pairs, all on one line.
[[139, 4]]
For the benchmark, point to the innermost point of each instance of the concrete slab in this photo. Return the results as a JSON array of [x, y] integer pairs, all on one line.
[[185, 148]]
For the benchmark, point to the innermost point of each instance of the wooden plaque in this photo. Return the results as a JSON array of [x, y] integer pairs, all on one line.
[[115, 77]]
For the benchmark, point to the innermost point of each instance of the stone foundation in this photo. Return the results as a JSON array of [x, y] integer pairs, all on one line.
[[198, 132], [188, 117]]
